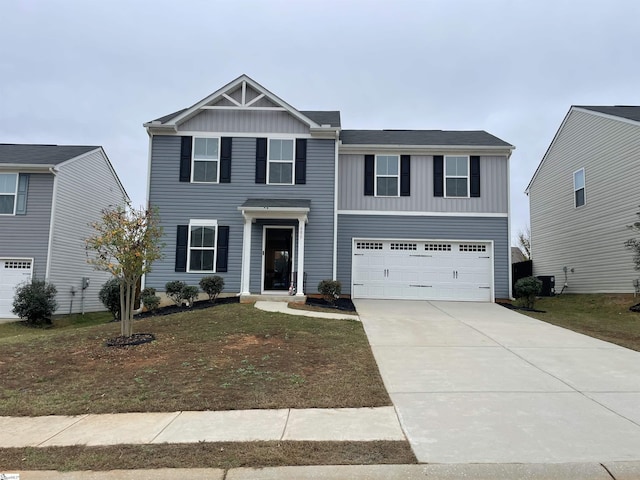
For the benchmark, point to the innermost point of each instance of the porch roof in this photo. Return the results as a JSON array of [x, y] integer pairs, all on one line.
[[276, 208]]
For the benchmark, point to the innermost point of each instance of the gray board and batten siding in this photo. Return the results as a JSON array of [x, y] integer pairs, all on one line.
[[79, 202], [178, 202], [589, 239], [494, 196], [425, 228], [27, 236]]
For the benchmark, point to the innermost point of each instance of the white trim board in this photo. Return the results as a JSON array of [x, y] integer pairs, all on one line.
[[394, 213]]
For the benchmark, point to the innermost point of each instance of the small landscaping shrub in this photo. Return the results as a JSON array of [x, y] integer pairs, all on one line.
[[212, 286], [526, 290], [174, 291], [149, 299], [35, 302], [190, 294], [110, 297], [330, 290]]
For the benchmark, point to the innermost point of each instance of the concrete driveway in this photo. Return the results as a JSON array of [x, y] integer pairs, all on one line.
[[477, 383]]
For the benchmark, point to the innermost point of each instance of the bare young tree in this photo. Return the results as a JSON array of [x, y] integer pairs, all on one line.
[[524, 242]]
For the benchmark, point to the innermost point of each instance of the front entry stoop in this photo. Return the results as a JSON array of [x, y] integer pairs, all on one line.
[[273, 298]]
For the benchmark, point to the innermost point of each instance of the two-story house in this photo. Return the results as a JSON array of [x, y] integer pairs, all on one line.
[[582, 196], [49, 195], [265, 195]]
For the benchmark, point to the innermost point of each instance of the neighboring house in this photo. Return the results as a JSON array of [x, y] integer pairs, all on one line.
[[48, 196], [517, 255], [583, 195], [265, 195]]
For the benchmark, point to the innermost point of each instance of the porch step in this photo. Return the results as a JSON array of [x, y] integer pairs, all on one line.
[[272, 298]]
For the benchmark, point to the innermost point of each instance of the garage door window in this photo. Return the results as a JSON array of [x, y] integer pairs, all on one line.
[[437, 247], [472, 248], [8, 192]]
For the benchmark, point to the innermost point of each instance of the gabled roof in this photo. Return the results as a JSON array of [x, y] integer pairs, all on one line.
[[630, 112], [26, 154], [421, 137], [223, 99], [625, 113]]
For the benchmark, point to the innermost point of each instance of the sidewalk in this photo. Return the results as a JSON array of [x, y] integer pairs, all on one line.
[[342, 424], [283, 307]]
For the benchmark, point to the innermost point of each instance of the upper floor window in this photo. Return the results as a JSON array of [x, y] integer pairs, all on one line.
[[206, 160], [456, 174], [8, 193], [387, 175], [280, 162], [202, 245], [578, 187]]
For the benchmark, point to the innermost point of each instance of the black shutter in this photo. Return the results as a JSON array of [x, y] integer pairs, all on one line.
[[181, 248], [225, 160], [23, 188], [301, 161], [405, 175], [185, 159], [438, 176], [475, 176], [223, 249], [261, 160], [369, 173]]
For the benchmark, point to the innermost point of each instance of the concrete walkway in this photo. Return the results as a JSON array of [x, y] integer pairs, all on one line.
[[283, 307], [340, 424], [477, 383]]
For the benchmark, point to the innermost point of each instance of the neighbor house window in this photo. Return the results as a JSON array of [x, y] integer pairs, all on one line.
[[387, 175], [280, 164], [206, 160], [202, 245], [8, 193], [456, 174], [578, 187]]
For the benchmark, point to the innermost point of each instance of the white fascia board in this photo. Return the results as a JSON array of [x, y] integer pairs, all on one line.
[[324, 132], [400, 213], [426, 149], [25, 167], [193, 110]]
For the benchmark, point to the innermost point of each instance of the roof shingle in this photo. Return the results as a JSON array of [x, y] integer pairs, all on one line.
[[28, 154]]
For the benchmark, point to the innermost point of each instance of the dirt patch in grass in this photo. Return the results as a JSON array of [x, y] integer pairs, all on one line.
[[603, 316], [315, 308], [230, 357], [207, 455]]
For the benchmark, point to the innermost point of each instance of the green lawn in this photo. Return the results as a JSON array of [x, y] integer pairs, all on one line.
[[603, 316], [223, 358]]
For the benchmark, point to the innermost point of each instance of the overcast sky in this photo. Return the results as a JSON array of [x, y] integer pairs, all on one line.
[[91, 72]]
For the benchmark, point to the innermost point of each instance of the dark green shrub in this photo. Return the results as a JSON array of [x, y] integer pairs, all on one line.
[[212, 286], [174, 291], [526, 290], [330, 290], [110, 297], [190, 294], [35, 302], [149, 299]]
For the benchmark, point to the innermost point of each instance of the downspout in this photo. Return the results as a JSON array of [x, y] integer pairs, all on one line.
[[335, 209], [54, 172]]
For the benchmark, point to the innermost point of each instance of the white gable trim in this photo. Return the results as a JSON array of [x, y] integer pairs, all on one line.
[[243, 81]]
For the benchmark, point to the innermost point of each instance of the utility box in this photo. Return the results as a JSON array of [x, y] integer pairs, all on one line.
[[548, 285]]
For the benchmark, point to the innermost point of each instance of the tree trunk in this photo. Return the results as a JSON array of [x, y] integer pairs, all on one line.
[[127, 321], [123, 309]]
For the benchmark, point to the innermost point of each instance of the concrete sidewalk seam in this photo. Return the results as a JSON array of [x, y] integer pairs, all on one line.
[[165, 427], [64, 429], [286, 424]]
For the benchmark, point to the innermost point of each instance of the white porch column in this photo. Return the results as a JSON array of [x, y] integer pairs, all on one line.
[[300, 279], [246, 256]]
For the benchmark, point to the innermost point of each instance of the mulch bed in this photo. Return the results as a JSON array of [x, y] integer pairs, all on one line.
[[514, 307], [135, 339], [344, 304], [635, 308], [199, 305]]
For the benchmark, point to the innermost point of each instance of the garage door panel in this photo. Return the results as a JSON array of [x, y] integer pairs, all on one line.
[[423, 270], [13, 272]]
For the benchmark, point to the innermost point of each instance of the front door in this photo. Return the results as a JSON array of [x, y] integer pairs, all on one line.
[[278, 258]]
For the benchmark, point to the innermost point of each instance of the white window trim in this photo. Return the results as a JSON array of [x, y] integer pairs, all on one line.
[[375, 176], [193, 159], [202, 223], [584, 188], [15, 194], [467, 176], [292, 161]]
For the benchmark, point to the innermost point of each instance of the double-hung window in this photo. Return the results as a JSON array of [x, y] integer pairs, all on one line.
[[280, 161], [8, 193], [387, 175], [202, 245], [456, 174], [206, 160], [578, 188]]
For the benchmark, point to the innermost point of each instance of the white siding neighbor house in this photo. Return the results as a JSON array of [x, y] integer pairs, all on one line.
[[49, 194], [582, 197]]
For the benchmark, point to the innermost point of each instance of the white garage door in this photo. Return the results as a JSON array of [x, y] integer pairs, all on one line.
[[13, 271], [422, 270]]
